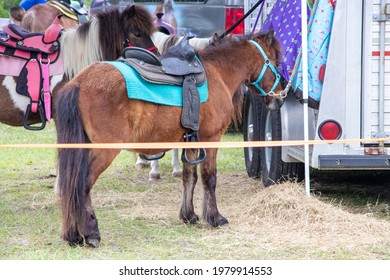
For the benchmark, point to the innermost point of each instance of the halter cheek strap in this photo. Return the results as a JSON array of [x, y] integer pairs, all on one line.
[[267, 64]]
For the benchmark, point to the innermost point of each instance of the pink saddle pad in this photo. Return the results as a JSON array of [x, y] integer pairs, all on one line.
[[11, 66]]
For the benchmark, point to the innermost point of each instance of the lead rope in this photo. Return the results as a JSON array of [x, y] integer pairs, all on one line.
[[258, 16], [241, 19]]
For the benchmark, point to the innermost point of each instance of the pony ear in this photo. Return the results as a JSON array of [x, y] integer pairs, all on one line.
[[270, 37], [129, 11]]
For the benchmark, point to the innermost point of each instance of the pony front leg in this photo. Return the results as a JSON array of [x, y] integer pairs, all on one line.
[[209, 179], [190, 177]]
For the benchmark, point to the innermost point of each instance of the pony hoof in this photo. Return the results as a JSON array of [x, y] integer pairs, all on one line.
[[191, 221], [140, 166], [177, 174], [154, 177], [222, 222], [93, 242]]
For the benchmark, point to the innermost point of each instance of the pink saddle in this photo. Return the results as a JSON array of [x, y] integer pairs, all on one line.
[[38, 50]]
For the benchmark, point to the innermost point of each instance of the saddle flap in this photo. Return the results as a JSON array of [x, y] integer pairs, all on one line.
[[30, 80], [191, 105]]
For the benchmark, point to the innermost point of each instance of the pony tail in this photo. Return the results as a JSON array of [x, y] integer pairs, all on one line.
[[72, 164]]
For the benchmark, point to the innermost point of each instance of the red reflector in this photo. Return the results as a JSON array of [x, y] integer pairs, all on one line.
[[330, 130], [231, 17]]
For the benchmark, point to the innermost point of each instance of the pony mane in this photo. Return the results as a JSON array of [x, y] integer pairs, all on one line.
[[80, 47], [272, 42], [233, 41], [103, 37], [219, 46]]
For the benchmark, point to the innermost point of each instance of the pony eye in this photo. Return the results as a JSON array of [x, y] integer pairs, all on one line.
[[137, 34]]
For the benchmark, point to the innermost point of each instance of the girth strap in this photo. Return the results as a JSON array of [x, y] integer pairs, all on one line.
[[46, 94]]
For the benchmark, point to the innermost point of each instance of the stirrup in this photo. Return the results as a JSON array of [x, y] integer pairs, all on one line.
[[153, 157], [193, 137], [41, 115], [201, 158]]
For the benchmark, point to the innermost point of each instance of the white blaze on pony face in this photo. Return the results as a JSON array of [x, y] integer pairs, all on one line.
[[20, 101]]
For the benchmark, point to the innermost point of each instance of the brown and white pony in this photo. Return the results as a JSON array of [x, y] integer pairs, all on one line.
[[102, 38]]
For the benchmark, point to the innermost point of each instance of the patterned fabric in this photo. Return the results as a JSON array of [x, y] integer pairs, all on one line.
[[285, 20], [138, 88], [318, 42]]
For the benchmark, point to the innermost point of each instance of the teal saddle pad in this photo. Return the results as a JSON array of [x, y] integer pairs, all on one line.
[[164, 94]]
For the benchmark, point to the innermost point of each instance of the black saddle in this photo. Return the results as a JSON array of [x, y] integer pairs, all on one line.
[[181, 59], [179, 66], [142, 55]]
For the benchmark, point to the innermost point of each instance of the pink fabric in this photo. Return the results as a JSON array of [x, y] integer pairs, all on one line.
[[52, 32], [11, 66], [46, 90], [33, 83]]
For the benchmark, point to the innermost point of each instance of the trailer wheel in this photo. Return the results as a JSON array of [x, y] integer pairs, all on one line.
[[273, 168], [251, 123]]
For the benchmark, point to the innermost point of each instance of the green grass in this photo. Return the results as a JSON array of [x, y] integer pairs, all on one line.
[[30, 218], [139, 219]]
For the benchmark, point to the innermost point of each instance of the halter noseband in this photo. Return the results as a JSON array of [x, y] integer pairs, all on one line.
[[267, 63]]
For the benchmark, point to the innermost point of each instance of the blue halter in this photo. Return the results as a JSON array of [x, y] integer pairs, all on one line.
[[267, 63]]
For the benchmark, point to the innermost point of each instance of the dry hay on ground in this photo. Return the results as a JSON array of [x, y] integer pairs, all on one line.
[[287, 215], [276, 217]]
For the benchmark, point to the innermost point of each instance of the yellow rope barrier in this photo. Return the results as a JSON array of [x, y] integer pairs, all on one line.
[[188, 145]]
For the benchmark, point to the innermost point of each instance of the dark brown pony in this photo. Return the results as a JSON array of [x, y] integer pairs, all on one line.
[[94, 107], [102, 38]]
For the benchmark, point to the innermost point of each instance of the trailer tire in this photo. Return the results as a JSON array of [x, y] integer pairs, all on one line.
[[251, 120], [273, 168]]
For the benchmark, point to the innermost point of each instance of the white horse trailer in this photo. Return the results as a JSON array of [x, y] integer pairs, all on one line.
[[354, 104]]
